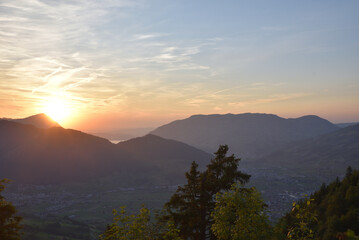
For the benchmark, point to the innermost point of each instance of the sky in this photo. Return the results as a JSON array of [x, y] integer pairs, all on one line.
[[103, 65]]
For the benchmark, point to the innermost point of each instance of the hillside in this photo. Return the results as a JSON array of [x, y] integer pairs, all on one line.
[[248, 135], [35, 155], [329, 154]]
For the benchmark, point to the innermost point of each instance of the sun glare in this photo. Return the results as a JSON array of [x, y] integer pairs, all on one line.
[[57, 110]]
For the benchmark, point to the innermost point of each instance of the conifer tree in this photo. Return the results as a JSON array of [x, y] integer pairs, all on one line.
[[185, 202], [191, 206]]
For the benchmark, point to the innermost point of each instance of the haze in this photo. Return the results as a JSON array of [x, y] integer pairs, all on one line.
[[111, 64]]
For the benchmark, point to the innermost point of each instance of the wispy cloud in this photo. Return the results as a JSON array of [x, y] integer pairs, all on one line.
[[134, 56], [55, 48], [63, 48], [149, 36]]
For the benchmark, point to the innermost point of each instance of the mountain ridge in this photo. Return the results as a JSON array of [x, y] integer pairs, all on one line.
[[40, 120], [56, 155], [248, 135]]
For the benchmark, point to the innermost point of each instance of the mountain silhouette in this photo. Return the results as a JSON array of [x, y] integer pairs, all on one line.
[[39, 120], [248, 135], [56, 155]]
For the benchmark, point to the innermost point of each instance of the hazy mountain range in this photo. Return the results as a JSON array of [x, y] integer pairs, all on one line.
[[39, 150], [53, 155], [286, 158], [343, 125], [248, 135]]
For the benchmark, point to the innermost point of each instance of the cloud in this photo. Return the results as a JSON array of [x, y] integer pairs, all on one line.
[[45, 45], [84, 51]]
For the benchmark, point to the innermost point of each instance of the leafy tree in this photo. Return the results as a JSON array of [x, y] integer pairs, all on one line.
[[191, 206], [135, 227], [240, 214], [9, 223], [304, 219]]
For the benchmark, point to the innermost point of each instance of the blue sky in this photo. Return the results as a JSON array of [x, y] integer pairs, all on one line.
[[144, 63]]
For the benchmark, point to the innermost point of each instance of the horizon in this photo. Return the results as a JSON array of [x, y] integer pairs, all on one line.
[[120, 64], [102, 130]]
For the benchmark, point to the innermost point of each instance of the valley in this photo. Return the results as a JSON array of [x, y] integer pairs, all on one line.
[[146, 171]]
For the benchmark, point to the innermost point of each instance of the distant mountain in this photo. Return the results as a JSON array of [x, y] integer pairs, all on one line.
[[169, 155], [55, 155], [343, 125], [327, 155], [248, 135], [123, 134], [39, 120]]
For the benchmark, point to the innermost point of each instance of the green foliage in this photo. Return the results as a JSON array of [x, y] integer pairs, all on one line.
[[136, 227], [240, 214], [350, 235], [336, 208], [9, 223], [304, 219], [191, 206]]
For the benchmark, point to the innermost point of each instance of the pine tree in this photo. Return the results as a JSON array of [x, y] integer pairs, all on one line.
[[191, 206], [183, 207]]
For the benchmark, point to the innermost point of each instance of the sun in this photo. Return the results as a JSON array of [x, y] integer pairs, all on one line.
[[57, 109]]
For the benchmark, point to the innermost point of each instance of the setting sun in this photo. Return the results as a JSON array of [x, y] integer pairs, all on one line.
[[57, 110]]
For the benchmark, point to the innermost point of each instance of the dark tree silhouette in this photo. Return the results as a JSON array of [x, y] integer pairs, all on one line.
[[9, 223], [191, 206]]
